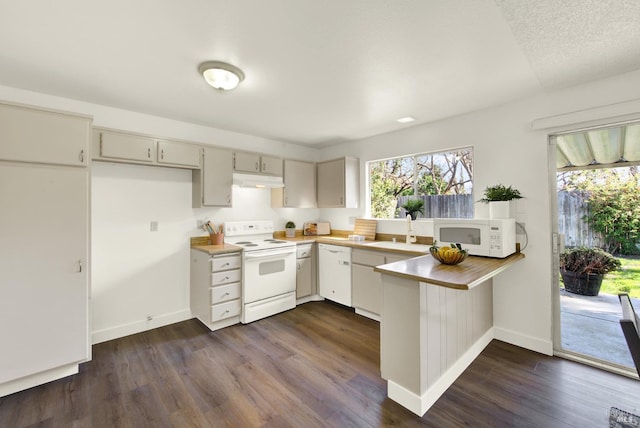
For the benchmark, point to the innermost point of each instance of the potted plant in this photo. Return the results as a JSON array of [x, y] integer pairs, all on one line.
[[413, 207], [499, 198], [290, 229], [583, 268]]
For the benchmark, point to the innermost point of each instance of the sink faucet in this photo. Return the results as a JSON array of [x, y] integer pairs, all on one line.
[[411, 235]]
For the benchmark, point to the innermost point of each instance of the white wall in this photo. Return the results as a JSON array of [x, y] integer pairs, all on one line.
[[507, 151], [137, 273]]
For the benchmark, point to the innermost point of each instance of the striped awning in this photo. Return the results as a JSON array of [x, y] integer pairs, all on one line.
[[599, 148]]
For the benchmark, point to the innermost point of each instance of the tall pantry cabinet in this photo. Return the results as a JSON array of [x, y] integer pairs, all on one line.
[[44, 245]]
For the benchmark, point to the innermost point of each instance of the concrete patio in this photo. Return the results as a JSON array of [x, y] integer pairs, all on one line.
[[590, 326]]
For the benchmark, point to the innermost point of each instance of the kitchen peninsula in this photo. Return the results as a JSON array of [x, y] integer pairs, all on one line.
[[435, 320]]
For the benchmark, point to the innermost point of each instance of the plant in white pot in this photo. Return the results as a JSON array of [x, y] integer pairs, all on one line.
[[500, 199], [290, 229]]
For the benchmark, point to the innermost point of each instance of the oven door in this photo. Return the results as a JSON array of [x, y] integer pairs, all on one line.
[[268, 273]]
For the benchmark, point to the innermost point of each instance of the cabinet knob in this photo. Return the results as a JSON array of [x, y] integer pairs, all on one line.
[[81, 156], [149, 152], [264, 166], [79, 266], [162, 154], [257, 166]]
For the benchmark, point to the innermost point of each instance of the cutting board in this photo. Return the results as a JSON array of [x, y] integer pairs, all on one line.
[[366, 228]]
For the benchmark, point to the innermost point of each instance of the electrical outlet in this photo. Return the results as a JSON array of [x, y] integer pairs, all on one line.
[[153, 226]]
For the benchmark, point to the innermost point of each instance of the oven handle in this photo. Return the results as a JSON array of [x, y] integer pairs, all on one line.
[[254, 255]]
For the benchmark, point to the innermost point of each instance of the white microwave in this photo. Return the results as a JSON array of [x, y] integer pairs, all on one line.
[[482, 237]]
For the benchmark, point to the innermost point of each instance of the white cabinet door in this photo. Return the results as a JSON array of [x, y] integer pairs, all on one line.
[[175, 153], [127, 146], [217, 177], [303, 277], [331, 183], [246, 162], [366, 288], [43, 268], [31, 135], [338, 183], [299, 184], [270, 165]]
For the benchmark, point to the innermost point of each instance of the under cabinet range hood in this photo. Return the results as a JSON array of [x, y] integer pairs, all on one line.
[[257, 181]]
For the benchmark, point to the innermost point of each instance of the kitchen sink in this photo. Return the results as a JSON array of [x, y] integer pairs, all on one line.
[[418, 248]]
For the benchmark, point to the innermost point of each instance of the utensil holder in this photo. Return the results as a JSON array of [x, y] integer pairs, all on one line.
[[216, 238]]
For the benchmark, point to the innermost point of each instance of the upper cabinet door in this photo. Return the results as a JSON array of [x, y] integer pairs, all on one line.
[[217, 177], [271, 165], [338, 183], [178, 154], [127, 146], [246, 162], [34, 135], [299, 184]]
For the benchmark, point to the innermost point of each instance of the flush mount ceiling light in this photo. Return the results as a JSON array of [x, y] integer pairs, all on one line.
[[221, 75]]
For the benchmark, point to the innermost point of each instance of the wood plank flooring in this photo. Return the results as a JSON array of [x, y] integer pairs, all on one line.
[[314, 366]]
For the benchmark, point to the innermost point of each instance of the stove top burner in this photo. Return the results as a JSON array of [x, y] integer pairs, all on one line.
[[244, 242], [250, 245], [275, 241]]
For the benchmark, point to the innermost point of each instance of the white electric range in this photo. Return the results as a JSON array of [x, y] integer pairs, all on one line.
[[269, 269]]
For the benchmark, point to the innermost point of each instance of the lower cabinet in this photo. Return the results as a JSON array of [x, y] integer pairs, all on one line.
[[306, 284], [366, 285], [216, 288]]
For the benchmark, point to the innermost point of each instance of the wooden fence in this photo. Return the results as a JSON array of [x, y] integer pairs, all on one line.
[[446, 206], [572, 210]]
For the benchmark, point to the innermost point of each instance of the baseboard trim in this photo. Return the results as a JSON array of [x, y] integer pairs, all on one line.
[[528, 342], [37, 379], [123, 330]]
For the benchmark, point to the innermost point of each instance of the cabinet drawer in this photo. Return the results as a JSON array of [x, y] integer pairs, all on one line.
[[227, 277], [303, 251], [369, 258], [225, 263], [225, 310], [222, 293]]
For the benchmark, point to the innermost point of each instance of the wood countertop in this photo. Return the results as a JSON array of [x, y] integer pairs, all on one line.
[[412, 249], [468, 274], [217, 249]]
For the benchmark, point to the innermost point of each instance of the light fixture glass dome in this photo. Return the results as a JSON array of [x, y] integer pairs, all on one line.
[[221, 75]]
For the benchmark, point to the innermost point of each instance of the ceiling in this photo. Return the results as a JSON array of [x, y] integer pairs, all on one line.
[[317, 72]]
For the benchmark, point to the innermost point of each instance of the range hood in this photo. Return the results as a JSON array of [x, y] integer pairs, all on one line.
[[259, 181]]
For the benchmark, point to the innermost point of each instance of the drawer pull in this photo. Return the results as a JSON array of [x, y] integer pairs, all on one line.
[[225, 294], [226, 264]]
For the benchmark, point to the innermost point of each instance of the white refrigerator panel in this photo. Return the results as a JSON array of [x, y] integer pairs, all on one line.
[[43, 268]]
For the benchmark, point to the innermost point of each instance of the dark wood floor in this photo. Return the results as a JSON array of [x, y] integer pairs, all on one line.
[[314, 366]]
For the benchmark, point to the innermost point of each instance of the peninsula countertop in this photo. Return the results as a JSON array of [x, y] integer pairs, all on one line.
[[464, 276]]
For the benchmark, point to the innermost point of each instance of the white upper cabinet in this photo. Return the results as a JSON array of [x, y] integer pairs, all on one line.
[[299, 186], [211, 185], [338, 183], [121, 146], [117, 146], [246, 162], [271, 165], [173, 153], [43, 136], [257, 164]]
